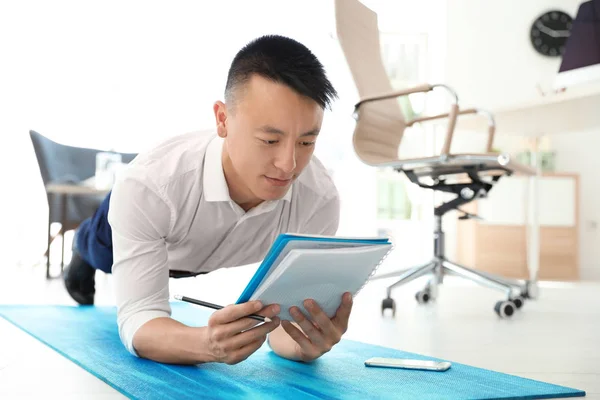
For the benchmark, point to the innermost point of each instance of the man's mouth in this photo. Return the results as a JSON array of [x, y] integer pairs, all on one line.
[[278, 182]]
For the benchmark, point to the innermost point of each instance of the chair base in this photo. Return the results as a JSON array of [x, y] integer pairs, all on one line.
[[516, 291]]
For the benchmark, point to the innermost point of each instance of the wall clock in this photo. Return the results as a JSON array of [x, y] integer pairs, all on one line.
[[550, 31]]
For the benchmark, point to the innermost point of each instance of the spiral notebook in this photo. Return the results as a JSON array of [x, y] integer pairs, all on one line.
[[322, 268]]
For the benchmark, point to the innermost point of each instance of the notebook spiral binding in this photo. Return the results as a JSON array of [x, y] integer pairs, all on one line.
[[375, 269]]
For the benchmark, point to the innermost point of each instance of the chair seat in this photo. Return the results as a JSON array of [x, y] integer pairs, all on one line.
[[487, 164]]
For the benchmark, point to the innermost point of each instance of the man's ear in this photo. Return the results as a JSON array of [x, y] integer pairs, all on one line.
[[220, 110]]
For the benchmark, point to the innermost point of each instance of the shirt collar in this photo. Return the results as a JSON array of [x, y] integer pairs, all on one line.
[[214, 183]]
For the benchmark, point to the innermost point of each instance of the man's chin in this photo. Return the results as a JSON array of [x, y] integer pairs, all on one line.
[[274, 190], [271, 194]]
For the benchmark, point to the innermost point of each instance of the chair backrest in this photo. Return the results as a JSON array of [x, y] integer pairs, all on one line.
[[62, 163], [381, 125]]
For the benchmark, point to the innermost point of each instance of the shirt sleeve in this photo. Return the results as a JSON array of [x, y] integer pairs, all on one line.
[[326, 220], [140, 220]]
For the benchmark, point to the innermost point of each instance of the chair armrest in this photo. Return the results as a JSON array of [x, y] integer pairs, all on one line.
[[405, 92], [452, 114], [395, 93], [487, 114]]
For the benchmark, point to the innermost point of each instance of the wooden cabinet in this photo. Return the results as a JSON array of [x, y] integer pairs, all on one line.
[[498, 244]]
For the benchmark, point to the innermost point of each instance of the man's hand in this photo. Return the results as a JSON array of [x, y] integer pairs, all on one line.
[[231, 338], [228, 338], [318, 332]]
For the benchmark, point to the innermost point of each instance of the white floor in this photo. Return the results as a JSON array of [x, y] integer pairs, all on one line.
[[554, 339]]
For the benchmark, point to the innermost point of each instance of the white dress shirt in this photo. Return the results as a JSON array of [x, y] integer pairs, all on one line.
[[171, 210]]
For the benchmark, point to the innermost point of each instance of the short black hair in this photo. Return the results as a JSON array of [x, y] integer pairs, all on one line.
[[282, 60]]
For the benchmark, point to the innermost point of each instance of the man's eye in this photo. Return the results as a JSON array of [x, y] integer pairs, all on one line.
[[270, 142], [307, 143]]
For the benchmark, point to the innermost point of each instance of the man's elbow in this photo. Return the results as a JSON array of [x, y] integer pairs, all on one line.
[[130, 326]]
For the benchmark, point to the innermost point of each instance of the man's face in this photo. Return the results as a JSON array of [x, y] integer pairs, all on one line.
[[270, 137]]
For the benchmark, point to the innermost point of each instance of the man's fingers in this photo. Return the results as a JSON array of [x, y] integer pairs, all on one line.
[[234, 312], [342, 314], [296, 334], [242, 339], [244, 352], [243, 324], [314, 335], [270, 311], [322, 320], [305, 344]]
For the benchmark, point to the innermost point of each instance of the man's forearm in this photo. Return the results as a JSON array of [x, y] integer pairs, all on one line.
[[168, 341]]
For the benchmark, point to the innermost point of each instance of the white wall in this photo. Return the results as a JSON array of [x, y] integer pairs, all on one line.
[[490, 60], [491, 63], [127, 75]]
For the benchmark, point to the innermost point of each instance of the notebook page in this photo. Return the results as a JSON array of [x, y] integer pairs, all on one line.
[[310, 244], [323, 275], [290, 257]]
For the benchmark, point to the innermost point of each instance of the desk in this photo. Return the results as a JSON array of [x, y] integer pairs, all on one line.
[[497, 243], [574, 110], [62, 191]]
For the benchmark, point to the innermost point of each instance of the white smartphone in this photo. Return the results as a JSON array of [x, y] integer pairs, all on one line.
[[407, 364]]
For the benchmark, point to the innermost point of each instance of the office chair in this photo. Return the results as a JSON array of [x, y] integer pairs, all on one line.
[[59, 163], [380, 126]]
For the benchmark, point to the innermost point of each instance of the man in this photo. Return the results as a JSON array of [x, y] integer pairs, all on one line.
[[200, 202]]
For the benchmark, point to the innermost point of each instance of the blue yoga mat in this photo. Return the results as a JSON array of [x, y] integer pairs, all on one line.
[[88, 336]]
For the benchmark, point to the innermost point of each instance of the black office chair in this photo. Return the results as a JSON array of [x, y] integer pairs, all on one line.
[[60, 163]]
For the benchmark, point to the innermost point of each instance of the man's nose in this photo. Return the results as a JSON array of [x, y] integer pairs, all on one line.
[[286, 160]]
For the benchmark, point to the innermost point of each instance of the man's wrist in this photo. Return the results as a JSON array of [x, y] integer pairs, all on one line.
[[169, 341], [202, 353]]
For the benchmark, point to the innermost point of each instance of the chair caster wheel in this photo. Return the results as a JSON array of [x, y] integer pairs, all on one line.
[[505, 309], [518, 301], [423, 296], [388, 303]]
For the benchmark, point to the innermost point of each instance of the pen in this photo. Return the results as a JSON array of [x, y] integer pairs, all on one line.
[[215, 306]]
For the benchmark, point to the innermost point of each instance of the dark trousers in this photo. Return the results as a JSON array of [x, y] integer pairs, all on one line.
[[93, 239]]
